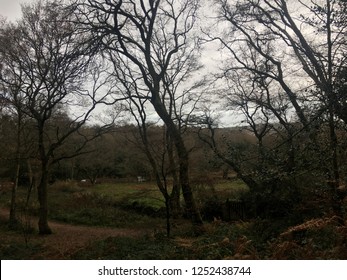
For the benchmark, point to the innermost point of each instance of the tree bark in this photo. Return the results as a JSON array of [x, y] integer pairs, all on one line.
[[43, 185], [182, 154], [175, 203], [43, 201], [175, 195], [13, 221], [13, 210], [30, 173]]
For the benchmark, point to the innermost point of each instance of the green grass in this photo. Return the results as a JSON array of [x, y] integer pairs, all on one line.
[[231, 189], [123, 205], [146, 194], [101, 205], [114, 205], [106, 205]]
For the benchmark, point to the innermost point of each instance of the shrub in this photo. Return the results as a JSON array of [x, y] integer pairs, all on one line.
[[209, 204], [320, 238], [66, 186]]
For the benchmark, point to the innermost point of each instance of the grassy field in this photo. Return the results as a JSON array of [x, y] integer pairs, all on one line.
[[117, 205], [139, 207], [120, 204]]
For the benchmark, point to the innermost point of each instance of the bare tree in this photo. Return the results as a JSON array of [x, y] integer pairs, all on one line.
[[154, 42], [51, 72], [299, 50], [12, 106]]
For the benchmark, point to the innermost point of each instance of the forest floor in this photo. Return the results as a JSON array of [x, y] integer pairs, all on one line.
[[66, 239]]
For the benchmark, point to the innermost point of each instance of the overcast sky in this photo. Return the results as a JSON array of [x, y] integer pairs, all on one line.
[[10, 9]]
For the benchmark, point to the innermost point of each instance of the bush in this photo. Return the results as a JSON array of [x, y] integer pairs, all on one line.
[[320, 238], [209, 204], [66, 186], [273, 199]]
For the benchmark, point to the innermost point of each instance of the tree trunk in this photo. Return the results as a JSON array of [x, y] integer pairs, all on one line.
[[13, 215], [13, 221], [337, 201], [337, 204], [175, 195], [43, 201], [30, 173], [182, 154], [168, 214]]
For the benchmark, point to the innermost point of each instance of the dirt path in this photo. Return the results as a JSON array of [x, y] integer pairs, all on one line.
[[68, 239]]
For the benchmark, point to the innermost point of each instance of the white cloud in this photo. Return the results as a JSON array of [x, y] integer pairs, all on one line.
[[10, 9]]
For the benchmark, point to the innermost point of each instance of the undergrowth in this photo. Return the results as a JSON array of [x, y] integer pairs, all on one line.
[[225, 241], [292, 237]]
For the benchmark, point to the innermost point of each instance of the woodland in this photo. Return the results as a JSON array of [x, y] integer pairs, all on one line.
[[162, 129]]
